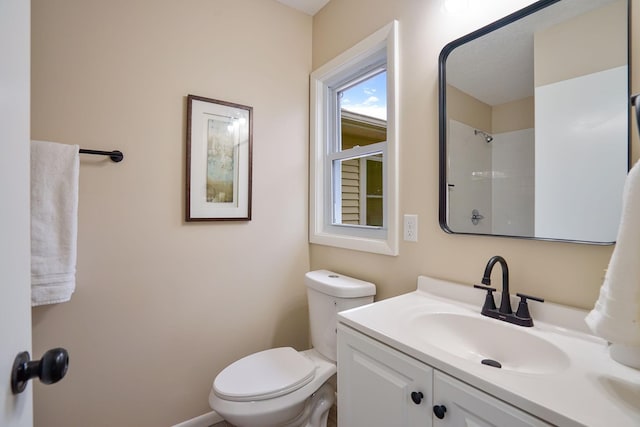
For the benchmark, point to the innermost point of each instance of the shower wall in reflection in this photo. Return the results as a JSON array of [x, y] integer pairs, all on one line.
[[496, 178]]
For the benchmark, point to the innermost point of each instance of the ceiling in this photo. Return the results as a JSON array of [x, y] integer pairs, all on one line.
[[310, 7]]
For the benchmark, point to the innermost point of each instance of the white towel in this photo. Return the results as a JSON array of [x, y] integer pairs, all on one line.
[[54, 221], [616, 315]]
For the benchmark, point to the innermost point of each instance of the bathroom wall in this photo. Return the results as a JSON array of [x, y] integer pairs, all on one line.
[[513, 189], [467, 109], [468, 154], [162, 306], [514, 115], [592, 146], [560, 272], [469, 179], [513, 153]]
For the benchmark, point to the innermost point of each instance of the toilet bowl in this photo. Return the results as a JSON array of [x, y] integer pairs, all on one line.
[[287, 404], [282, 387]]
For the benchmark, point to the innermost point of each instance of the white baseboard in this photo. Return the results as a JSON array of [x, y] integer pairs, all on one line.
[[204, 420]]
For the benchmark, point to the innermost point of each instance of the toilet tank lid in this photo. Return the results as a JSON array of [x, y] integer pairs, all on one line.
[[338, 285]]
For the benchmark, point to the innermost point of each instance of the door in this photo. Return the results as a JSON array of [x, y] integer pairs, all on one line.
[[457, 404], [378, 386], [15, 252]]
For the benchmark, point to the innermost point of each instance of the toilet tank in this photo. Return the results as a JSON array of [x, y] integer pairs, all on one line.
[[329, 293]]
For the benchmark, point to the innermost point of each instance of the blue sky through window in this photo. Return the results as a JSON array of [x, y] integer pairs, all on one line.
[[368, 97]]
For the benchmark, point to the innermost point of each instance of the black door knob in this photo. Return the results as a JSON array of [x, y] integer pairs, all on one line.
[[417, 396], [50, 369], [439, 411]]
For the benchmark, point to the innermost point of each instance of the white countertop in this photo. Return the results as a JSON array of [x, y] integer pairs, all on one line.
[[592, 390]]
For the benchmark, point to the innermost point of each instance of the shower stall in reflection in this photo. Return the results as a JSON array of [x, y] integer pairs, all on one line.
[[492, 174]]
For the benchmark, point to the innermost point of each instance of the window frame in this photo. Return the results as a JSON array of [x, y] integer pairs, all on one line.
[[333, 183], [368, 55]]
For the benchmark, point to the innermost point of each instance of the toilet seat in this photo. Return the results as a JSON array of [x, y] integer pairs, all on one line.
[[264, 375]]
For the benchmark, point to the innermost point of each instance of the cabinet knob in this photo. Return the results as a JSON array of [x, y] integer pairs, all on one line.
[[439, 411], [417, 396]]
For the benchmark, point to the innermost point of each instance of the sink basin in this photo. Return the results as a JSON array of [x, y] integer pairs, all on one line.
[[481, 339]]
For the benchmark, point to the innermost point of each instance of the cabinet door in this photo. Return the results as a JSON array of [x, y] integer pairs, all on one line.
[[375, 385], [470, 407]]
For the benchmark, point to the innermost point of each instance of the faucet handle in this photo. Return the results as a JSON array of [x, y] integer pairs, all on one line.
[[489, 303], [523, 307], [526, 297]]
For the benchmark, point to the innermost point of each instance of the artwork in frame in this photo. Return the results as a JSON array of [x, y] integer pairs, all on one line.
[[219, 147]]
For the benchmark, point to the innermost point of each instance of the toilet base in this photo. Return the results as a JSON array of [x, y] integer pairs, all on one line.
[[316, 410], [315, 413], [325, 399]]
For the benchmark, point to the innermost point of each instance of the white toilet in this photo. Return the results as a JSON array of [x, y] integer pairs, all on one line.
[[281, 387]]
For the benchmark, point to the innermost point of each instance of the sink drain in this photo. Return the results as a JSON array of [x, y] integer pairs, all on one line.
[[491, 362]]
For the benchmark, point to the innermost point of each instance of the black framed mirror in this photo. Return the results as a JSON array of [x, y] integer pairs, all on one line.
[[534, 123]]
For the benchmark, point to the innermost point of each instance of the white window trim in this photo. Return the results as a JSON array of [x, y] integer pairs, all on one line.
[[321, 231]]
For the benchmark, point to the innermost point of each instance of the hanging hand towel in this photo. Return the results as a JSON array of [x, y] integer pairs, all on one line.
[[54, 221], [616, 315]]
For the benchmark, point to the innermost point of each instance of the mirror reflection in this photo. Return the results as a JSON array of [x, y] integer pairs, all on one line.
[[534, 124]]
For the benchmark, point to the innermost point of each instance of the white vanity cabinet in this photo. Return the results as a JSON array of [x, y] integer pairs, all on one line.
[[377, 386], [433, 341]]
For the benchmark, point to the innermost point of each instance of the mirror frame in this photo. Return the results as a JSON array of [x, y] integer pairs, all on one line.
[[442, 111]]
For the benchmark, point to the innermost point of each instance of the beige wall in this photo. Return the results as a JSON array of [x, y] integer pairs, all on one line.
[[578, 48], [468, 110], [507, 117], [512, 116], [162, 306], [560, 272]]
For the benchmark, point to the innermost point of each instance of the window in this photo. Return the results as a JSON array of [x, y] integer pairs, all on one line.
[[353, 202]]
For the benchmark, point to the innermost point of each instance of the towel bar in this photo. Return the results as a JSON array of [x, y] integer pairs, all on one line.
[[115, 155]]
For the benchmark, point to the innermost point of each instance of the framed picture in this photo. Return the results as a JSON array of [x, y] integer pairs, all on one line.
[[219, 145]]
